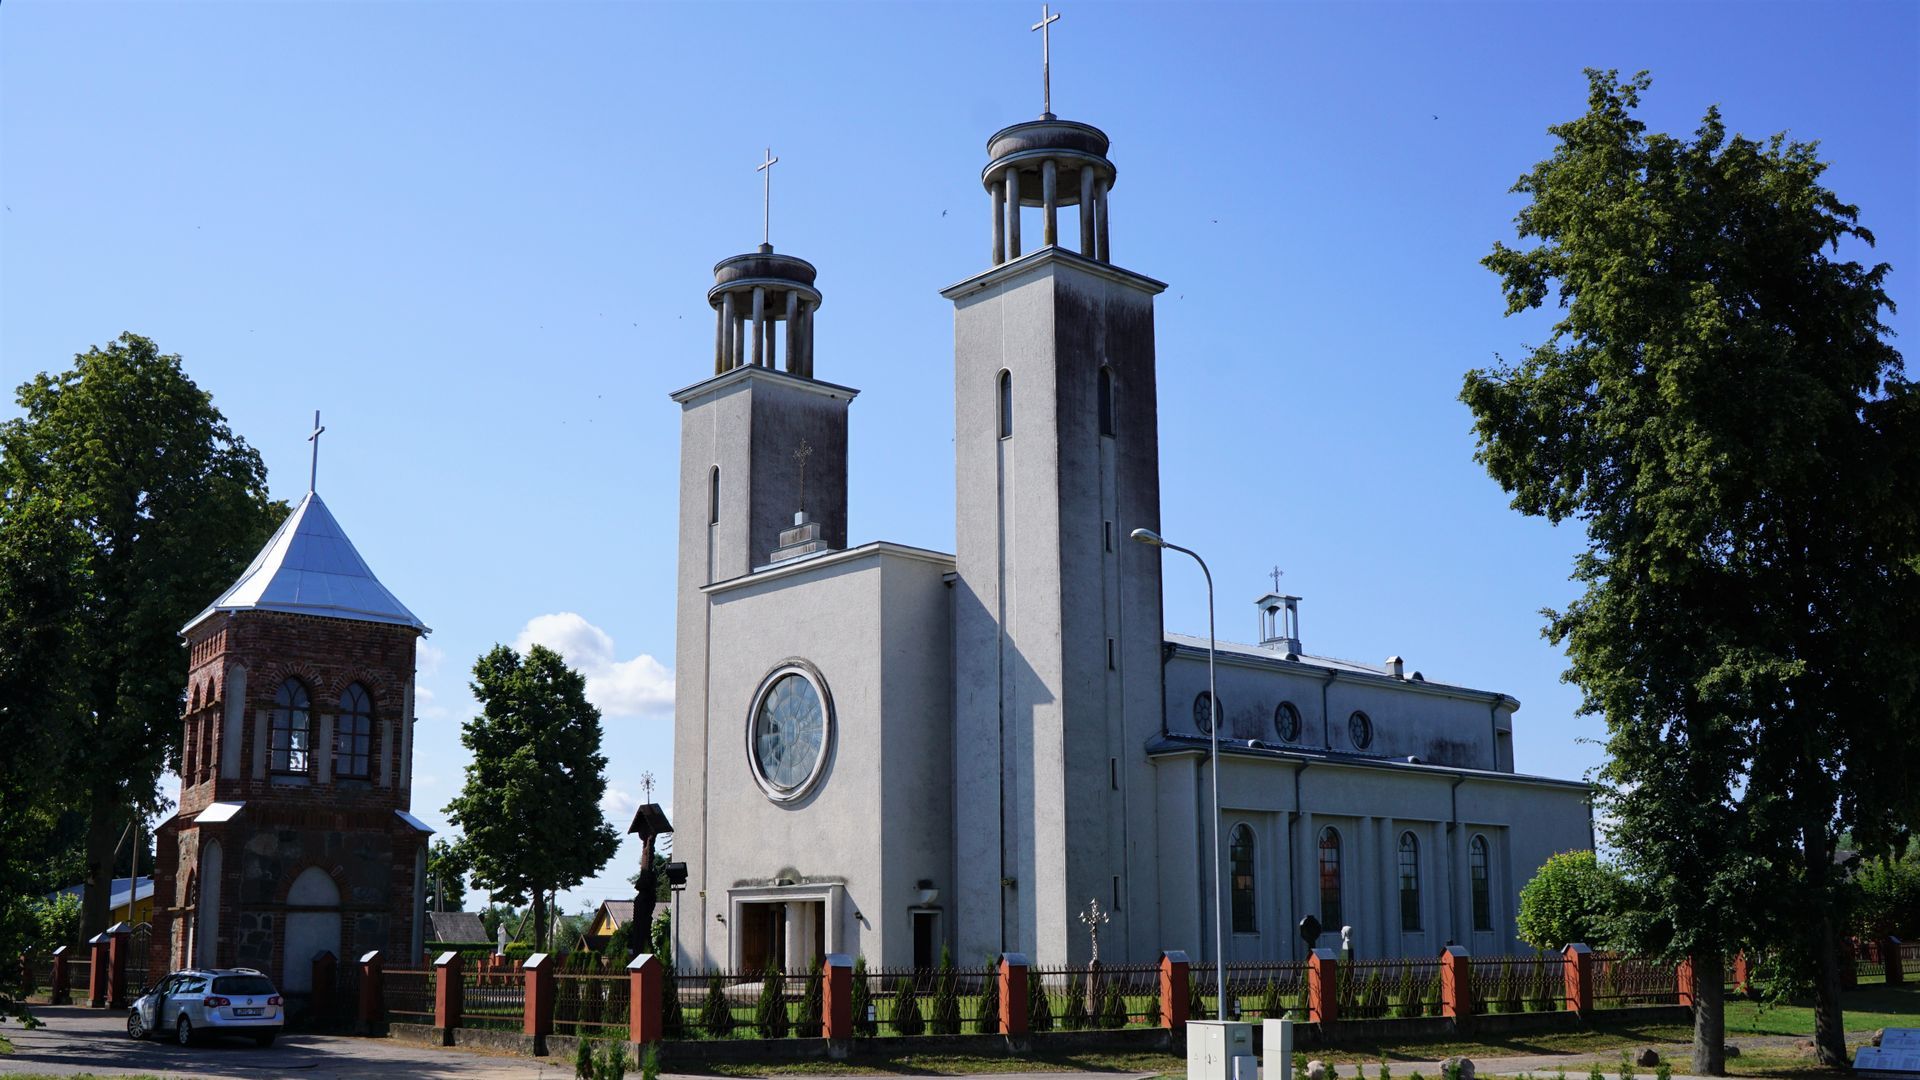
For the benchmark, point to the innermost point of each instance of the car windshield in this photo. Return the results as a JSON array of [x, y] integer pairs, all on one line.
[[242, 985]]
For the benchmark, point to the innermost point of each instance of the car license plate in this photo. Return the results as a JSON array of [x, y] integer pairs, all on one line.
[[246, 1012]]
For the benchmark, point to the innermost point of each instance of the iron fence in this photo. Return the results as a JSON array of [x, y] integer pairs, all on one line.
[[1254, 990], [1374, 989], [139, 946], [1092, 998], [79, 976], [494, 1000], [409, 995], [1633, 980], [741, 1004], [1868, 964], [591, 1003], [1511, 984]]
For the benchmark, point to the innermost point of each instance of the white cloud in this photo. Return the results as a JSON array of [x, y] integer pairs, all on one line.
[[619, 806], [427, 658], [637, 687]]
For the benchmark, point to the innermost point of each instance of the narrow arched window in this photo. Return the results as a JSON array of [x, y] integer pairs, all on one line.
[[1482, 886], [1409, 883], [1240, 855], [353, 734], [1006, 404], [713, 496], [1106, 401], [1330, 915], [290, 743]]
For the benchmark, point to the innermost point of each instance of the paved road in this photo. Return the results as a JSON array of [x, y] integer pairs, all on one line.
[[81, 1040]]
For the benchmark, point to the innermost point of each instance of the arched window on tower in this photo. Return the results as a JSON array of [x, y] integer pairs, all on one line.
[[1106, 401], [713, 496], [1240, 855], [1006, 404], [353, 735], [1330, 914], [290, 742], [1409, 883], [1482, 887]]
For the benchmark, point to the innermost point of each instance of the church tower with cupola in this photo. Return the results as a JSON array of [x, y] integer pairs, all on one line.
[[293, 834], [1057, 620]]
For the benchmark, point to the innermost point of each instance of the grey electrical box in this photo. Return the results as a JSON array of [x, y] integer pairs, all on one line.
[[1220, 1050]]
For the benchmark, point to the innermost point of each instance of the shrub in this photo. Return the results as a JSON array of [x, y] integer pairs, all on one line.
[[673, 1022], [906, 1008], [1572, 897], [946, 1000], [1113, 1007], [987, 1020], [1039, 1011], [1196, 1005], [864, 1022], [650, 1062], [716, 1013], [1074, 1017], [770, 1013], [808, 1025]]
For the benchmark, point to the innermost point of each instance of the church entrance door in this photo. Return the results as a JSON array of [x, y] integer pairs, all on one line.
[[763, 936], [313, 926]]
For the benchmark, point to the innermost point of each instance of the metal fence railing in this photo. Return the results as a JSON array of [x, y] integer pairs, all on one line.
[[1632, 980], [139, 958], [409, 995], [493, 1000], [1255, 991], [79, 975], [1092, 999], [1377, 989], [591, 1003], [738, 1004], [1511, 984]]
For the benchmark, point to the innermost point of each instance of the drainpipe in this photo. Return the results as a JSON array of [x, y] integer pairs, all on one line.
[[1453, 852], [1293, 843], [1326, 722], [1493, 730]]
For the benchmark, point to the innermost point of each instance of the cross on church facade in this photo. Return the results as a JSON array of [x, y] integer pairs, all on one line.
[[1095, 919], [766, 204], [1046, 60], [313, 470], [800, 457]]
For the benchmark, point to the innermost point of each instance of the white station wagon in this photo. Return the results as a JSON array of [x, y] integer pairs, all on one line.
[[202, 1002]]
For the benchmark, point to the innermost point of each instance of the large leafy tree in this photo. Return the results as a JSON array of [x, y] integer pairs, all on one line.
[[530, 809], [447, 869], [126, 505], [1719, 407], [1573, 897]]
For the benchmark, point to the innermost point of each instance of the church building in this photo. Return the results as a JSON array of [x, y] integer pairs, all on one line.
[[293, 835], [885, 750]]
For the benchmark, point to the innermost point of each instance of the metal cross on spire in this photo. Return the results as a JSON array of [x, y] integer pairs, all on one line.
[[1275, 574], [1046, 61], [313, 471], [766, 207], [1095, 919]]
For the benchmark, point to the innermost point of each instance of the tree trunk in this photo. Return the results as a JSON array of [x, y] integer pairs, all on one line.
[[1709, 1016], [1829, 1030], [539, 920], [103, 843]]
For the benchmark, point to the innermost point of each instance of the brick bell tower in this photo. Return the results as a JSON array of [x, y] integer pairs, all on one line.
[[293, 835]]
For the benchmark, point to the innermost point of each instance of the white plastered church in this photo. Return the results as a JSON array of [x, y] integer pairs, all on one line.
[[885, 750]]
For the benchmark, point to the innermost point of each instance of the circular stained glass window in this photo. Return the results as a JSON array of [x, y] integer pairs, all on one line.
[[1360, 729], [788, 732], [1286, 722], [1203, 712]]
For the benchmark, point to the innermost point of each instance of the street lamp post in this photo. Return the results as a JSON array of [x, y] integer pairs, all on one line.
[[1154, 539]]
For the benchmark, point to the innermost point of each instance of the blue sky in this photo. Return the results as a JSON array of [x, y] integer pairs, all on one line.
[[478, 238]]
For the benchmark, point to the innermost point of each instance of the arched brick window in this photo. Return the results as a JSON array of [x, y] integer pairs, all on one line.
[[353, 734], [290, 749]]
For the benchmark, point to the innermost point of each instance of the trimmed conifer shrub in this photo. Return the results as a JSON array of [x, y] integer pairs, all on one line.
[[864, 1021], [1113, 1006], [1074, 1017], [946, 998], [906, 1008], [1039, 1010], [716, 1013], [1196, 1005], [673, 1022], [808, 1025], [770, 1013], [987, 1020]]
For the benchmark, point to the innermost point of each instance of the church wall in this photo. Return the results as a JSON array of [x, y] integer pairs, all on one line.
[[868, 622]]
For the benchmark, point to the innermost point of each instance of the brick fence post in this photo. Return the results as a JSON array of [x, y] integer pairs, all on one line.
[[119, 945], [1742, 974], [1175, 976], [1890, 961], [1456, 983], [537, 1019], [373, 999], [1579, 971], [1323, 987], [449, 994], [97, 972], [1013, 994], [836, 1001], [646, 1013], [1683, 981], [324, 1000], [58, 993]]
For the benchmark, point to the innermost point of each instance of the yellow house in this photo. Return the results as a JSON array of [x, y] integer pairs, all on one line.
[[126, 903], [611, 916]]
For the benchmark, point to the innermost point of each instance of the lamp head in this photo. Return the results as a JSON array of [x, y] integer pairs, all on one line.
[[1148, 537]]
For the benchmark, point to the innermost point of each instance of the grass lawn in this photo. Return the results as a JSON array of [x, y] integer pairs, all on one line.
[[1144, 1061], [1864, 1009]]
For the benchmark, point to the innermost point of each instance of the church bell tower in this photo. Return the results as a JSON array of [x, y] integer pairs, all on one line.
[[1057, 630]]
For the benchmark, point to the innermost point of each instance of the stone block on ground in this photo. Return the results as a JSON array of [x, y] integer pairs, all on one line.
[[1457, 1068], [1648, 1057]]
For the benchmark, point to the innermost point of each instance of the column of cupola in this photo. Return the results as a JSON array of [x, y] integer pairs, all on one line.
[[752, 296], [1048, 164]]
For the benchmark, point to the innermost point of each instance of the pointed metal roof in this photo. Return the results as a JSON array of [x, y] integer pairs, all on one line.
[[311, 568]]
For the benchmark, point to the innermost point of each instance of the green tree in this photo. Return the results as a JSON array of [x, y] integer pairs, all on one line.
[[1718, 406], [447, 869], [530, 809], [1573, 897], [126, 505], [1887, 898]]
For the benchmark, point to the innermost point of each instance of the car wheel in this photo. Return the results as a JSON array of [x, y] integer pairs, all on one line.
[[136, 1028], [264, 1038], [183, 1031]]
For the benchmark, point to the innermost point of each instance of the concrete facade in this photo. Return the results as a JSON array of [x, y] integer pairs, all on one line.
[[1000, 736]]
